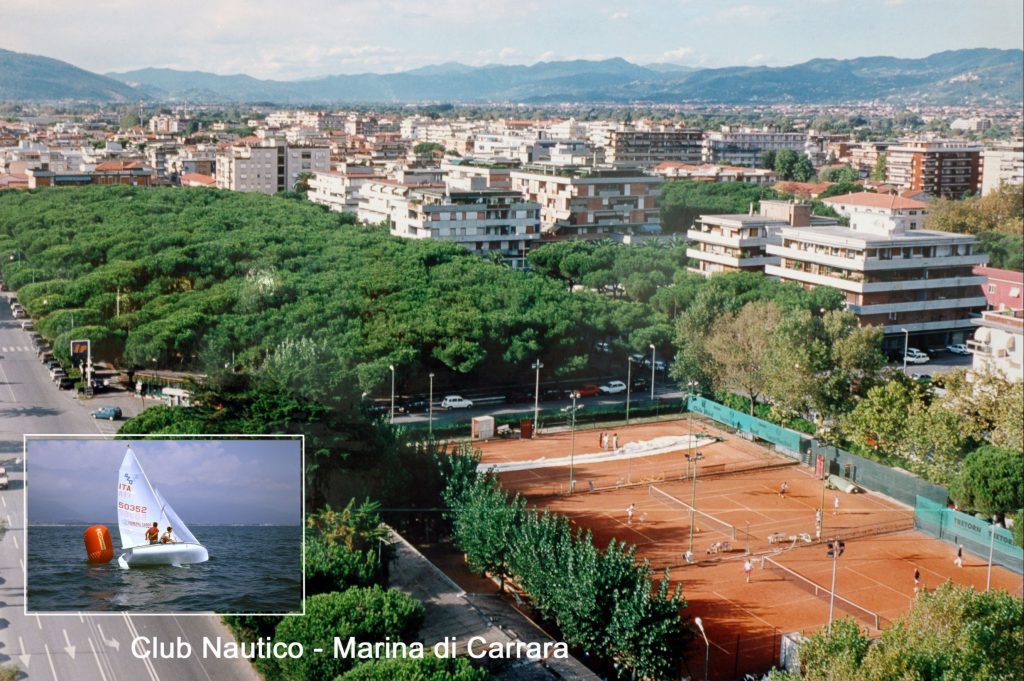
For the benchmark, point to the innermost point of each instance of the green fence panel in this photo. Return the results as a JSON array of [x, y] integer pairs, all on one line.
[[793, 442], [897, 483], [974, 534]]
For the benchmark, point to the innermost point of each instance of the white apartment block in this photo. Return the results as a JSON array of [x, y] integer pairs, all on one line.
[[715, 173], [338, 190], [268, 167], [588, 200], [744, 146], [648, 148], [738, 242], [998, 344], [892, 275], [1002, 164], [167, 125]]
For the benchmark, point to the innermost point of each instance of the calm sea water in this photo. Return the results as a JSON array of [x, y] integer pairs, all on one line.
[[251, 569]]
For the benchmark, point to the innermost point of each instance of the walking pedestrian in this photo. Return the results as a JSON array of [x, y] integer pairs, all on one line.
[[818, 517], [615, 442], [917, 579], [748, 567], [600, 439], [630, 510], [604, 441], [835, 505], [782, 489], [959, 562]]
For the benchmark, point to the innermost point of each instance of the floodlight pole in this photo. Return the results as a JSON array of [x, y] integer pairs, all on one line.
[[629, 385], [906, 345], [537, 366], [392, 367], [991, 550], [653, 351], [832, 595], [572, 447], [430, 404]]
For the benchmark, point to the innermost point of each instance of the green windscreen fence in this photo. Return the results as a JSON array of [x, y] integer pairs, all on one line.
[[784, 438], [974, 534]]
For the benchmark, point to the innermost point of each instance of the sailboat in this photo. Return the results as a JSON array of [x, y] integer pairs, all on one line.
[[139, 505]]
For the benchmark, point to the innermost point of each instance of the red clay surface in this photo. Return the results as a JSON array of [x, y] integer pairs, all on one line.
[[743, 621]]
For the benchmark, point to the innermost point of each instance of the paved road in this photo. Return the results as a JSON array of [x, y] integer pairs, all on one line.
[[942, 362], [76, 647]]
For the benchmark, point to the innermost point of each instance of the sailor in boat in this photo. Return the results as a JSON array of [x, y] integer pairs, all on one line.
[[152, 533], [167, 537]]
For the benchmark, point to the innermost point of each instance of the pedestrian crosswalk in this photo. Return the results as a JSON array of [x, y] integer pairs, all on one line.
[[16, 348]]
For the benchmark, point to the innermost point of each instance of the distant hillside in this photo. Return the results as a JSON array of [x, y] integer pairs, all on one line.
[[28, 77], [976, 76]]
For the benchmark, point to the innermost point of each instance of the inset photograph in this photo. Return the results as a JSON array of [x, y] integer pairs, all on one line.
[[164, 525]]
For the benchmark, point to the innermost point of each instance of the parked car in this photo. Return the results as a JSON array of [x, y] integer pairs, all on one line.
[[640, 383], [378, 408], [602, 346], [637, 358], [552, 394], [613, 388], [4, 480], [518, 397], [456, 402], [108, 412], [914, 356], [414, 405], [45, 354], [659, 365], [65, 383], [958, 349], [588, 390], [20, 314], [27, 325]]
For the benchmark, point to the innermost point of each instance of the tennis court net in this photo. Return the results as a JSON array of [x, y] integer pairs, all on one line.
[[708, 519], [846, 605]]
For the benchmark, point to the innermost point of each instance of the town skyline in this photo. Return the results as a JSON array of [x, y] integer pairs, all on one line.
[[263, 40]]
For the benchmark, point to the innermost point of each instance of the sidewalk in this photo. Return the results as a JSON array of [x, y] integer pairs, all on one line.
[[453, 612]]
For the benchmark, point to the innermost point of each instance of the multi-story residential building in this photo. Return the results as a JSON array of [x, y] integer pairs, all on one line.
[[267, 166], [167, 125], [1002, 164], [485, 221], [738, 242], [339, 189], [882, 210], [744, 146], [491, 175], [132, 173], [864, 156], [893, 275], [940, 168], [1002, 288], [715, 173], [588, 200], [998, 343], [648, 148]]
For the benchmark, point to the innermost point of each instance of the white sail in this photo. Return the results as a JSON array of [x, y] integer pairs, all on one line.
[[180, 530], [137, 504]]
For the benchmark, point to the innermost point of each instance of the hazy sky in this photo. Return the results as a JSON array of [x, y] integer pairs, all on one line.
[[305, 38], [205, 481]]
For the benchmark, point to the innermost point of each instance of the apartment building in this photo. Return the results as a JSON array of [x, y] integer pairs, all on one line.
[[339, 189], [940, 168], [1002, 288], [490, 175], [167, 125], [715, 173], [267, 166], [998, 343], [578, 200], [485, 221], [1002, 163], [738, 242], [648, 148], [892, 274], [864, 156], [132, 173], [744, 146]]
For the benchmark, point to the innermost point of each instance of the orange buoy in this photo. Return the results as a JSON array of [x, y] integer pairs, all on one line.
[[98, 545]]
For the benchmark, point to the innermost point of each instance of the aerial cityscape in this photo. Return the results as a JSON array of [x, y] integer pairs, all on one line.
[[666, 341]]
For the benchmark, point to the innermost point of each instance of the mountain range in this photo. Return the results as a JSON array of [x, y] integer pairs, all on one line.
[[974, 76]]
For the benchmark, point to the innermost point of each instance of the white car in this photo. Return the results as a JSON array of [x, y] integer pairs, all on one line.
[[613, 388], [958, 349], [4, 481], [456, 402], [915, 356]]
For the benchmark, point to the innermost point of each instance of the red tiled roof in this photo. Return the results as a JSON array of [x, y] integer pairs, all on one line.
[[811, 188], [890, 201], [193, 179], [115, 166]]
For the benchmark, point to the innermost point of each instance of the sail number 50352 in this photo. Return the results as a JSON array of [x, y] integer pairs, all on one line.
[[133, 508]]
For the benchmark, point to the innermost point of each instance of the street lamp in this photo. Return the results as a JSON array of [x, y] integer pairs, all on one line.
[[392, 367], [651, 346], [693, 495], [537, 366], [691, 388], [906, 342], [572, 446], [629, 384], [835, 549], [707, 646], [430, 404]]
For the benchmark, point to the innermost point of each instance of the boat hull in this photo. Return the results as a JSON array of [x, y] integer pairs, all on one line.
[[164, 554]]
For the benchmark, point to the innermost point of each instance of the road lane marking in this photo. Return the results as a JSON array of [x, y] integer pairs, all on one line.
[[134, 633], [97, 658], [14, 538], [198, 658], [26, 657], [7, 382], [39, 622], [4, 499], [49, 659], [69, 649]]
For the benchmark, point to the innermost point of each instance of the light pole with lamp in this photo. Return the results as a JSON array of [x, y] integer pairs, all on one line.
[[691, 388], [537, 366], [629, 385], [991, 548], [693, 495], [651, 346], [572, 446], [906, 343], [430, 404], [707, 646], [392, 367], [835, 549]]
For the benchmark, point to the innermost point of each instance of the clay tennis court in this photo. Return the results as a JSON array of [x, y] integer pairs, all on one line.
[[738, 505]]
